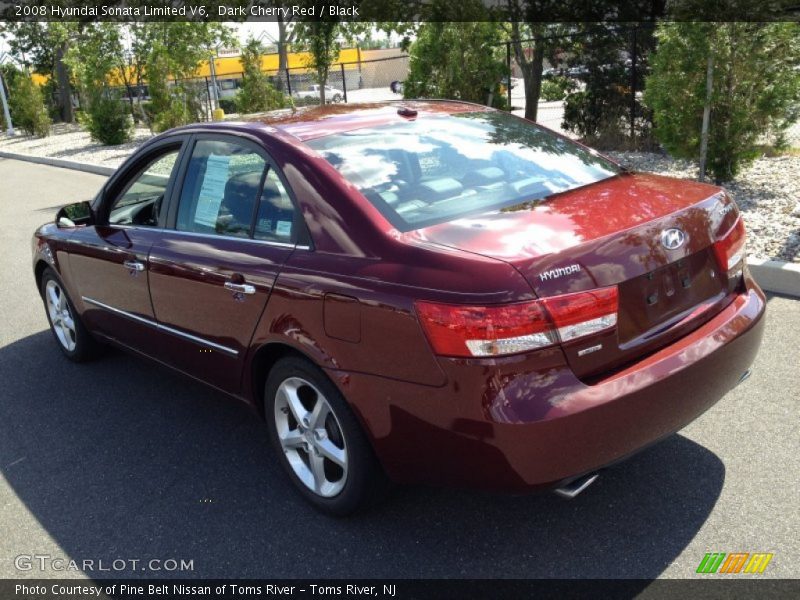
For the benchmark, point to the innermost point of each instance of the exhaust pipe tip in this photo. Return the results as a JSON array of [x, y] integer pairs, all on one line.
[[576, 486]]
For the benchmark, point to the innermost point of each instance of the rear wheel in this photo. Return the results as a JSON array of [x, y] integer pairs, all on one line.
[[72, 337], [319, 441]]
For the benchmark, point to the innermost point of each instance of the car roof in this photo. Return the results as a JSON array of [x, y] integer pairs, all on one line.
[[318, 121]]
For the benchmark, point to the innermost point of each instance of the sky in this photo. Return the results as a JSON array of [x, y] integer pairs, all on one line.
[[269, 31]]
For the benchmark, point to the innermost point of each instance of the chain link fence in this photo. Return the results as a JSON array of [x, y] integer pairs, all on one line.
[[357, 81], [594, 94]]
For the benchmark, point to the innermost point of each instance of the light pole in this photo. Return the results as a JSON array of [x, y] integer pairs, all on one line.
[[6, 113], [215, 95]]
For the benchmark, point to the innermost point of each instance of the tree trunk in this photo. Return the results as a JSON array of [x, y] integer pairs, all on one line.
[[323, 80], [706, 113], [64, 86], [533, 83], [531, 67], [283, 54]]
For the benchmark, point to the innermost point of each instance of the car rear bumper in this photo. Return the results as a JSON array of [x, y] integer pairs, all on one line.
[[527, 423]]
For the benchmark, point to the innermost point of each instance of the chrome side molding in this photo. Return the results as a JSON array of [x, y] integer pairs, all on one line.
[[160, 327]]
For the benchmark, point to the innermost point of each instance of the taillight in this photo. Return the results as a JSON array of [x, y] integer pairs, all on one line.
[[731, 247], [583, 313], [460, 330]]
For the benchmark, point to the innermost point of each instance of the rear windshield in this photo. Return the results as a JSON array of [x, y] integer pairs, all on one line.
[[444, 168]]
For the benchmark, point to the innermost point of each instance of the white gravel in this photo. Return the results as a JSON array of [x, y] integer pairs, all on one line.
[[767, 192], [70, 142]]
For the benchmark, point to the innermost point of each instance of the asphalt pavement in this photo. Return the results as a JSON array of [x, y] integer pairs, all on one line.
[[123, 459]]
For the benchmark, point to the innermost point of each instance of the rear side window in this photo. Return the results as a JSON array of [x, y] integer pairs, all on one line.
[[275, 220], [443, 168], [221, 189]]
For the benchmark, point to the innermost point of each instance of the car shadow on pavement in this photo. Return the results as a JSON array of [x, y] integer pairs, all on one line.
[[123, 459]]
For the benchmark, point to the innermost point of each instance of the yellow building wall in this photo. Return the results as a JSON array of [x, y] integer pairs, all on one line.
[[269, 62], [232, 66]]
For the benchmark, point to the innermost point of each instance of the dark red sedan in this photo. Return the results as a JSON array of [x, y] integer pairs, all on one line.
[[418, 291]]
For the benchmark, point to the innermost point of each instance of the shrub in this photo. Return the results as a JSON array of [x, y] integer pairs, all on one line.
[[174, 114], [167, 107], [457, 60], [756, 89], [108, 120], [228, 105], [600, 112], [28, 111], [305, 101], [256, 94], [556, 88]]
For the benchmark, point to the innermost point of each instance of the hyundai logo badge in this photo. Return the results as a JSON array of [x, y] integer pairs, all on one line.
[[672, 239]]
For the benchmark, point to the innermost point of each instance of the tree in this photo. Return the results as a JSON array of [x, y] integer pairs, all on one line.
[[755, 92], [321, 40], [440, 57], [286, 36], [256, 93], [8, 73], [43, 47], [92, 63], [132, 64], [603, 111], [174, 51], [530, 44], [28, 111]]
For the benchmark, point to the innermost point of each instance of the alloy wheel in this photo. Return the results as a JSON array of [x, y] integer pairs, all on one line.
[[61, 318], [311, 437]]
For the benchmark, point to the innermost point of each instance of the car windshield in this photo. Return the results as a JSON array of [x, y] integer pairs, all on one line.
[[440, 169]]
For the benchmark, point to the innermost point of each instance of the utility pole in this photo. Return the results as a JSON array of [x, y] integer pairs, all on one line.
[[6, 113]]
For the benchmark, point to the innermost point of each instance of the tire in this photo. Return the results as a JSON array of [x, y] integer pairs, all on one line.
[[337, 98], [328, 458], [70, 334]]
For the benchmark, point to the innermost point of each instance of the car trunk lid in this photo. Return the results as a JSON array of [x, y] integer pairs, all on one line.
[[610, 234]]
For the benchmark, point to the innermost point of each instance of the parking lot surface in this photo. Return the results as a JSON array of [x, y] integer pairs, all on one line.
[[124, 459]]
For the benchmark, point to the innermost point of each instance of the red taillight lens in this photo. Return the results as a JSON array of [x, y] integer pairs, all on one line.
[[583, 313], [730, 248], [458, 330]]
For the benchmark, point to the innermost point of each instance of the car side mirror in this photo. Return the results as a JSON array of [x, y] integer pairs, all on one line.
[[74, 215]]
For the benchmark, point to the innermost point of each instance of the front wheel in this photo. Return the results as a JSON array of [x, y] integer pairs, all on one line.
[[319, 441], [73, 339]]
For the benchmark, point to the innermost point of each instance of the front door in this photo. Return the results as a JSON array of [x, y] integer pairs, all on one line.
[[212, 270], [108, 262]]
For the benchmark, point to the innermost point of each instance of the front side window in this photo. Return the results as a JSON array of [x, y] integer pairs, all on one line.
[[448, 167], [221, 189], [141, 201]]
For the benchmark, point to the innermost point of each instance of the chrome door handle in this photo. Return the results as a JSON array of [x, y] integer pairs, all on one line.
[[242, 288], [133, 265]]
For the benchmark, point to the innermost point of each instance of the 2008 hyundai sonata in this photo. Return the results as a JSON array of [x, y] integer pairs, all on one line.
[[415, 292]]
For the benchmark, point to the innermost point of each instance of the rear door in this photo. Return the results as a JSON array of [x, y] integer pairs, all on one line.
[[212, 271], [108, 262]]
